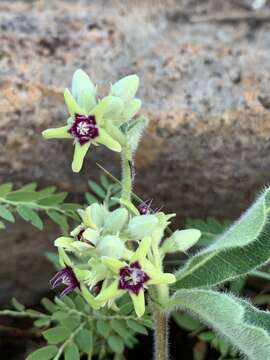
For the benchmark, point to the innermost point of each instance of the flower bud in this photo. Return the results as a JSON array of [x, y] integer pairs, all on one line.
[[126, 87], [111, 246], [181, 240], [116, 220], [83, 90], [141, 226]]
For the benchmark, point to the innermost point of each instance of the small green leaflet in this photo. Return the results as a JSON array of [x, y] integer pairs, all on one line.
[[30, 215], [6, 214], [45, 353]]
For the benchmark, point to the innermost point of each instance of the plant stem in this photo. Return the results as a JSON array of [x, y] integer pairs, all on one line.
[[126, 173], [161, 334]]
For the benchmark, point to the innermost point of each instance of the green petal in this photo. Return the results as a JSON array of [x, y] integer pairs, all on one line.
[[142, 225], [80, 246], [111, 292], [115, 108], [114, 264], [160, 278], [63, 258], [100, 109], [126, 87], [142, 250], [73, 107], [82, 274], [78, 228], [91, 235], [138, 302], [57, 133], [96, 215], [111, 245], [89, 297], [63, 241], [79, 154], [105, 139], [131, 109], [83, 90]]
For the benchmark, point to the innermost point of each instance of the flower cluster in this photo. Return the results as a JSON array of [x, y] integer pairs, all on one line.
[[90, 119], [104, 266]]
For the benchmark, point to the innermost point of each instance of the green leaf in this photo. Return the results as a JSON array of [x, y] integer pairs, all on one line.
[[56, 334], [53, 199], [29, 187], [84, 340], [120, 327], [186, 321], [240, 323], [134, 325], [206, 336], [97, 189], [45, 353], [42, 322], [210, 229], [72, 352], [116, 344], [244, 247], [49, 305], [105, 181], [2, 225], [90, 198], [59, 219], [135, 130], [17, 305], [30, 215], [6, 214], [70, 206], [103, 328], [5, 189], [46, 192], [22, 196]]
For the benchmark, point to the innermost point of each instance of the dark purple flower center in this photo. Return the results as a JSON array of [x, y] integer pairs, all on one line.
[[84, 128], [145, 207], [97, 287], [132, 278], [66, 277]]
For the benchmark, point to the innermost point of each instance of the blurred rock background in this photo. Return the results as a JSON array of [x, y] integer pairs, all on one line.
[[205, 84]]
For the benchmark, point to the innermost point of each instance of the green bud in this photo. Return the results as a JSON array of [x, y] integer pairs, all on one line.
[[181, 240], [142, 226], [83, 90], [111, 246], [95, 215], [126, 87], [115, 108], [116, 220]]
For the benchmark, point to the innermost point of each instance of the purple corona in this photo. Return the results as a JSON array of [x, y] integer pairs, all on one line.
[[132, 278], [84, 128], [67, 277]]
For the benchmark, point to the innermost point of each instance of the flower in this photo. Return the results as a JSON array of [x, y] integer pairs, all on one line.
[[133, 277], [145, 207], [86, 124], [67, 277]]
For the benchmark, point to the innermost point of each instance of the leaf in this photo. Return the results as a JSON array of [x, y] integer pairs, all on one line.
[[210, 229], [5, 189], [186, 321], [103, 328], [72, 352], [90, 198], [47, 191], [45, 353], [22, 196], [17, 305], [2, 225], [240, 323], [134, 325], [119, 326], [56, 334], [70, 206], [135, 130], [30, 215], [42, 322], [242, 248], [105, 181], [59, 219], [29, 187], [53, 199], [116, 344], [49, 305], [84, 340], [6, 214], [97, 189]]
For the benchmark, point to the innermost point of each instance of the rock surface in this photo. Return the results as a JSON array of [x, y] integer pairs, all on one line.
[[205, 84]]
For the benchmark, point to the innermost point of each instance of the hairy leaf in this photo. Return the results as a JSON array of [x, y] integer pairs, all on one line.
[[242, 248], [236, 320]]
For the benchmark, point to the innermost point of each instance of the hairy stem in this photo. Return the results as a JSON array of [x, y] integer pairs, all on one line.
[[126, 173], [161, 334]]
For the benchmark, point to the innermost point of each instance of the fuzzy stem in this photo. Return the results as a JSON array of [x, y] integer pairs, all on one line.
[[161, 334], [126, 173]]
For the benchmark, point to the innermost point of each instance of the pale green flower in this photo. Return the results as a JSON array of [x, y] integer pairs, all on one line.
[[133, 277], [86, 124]]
